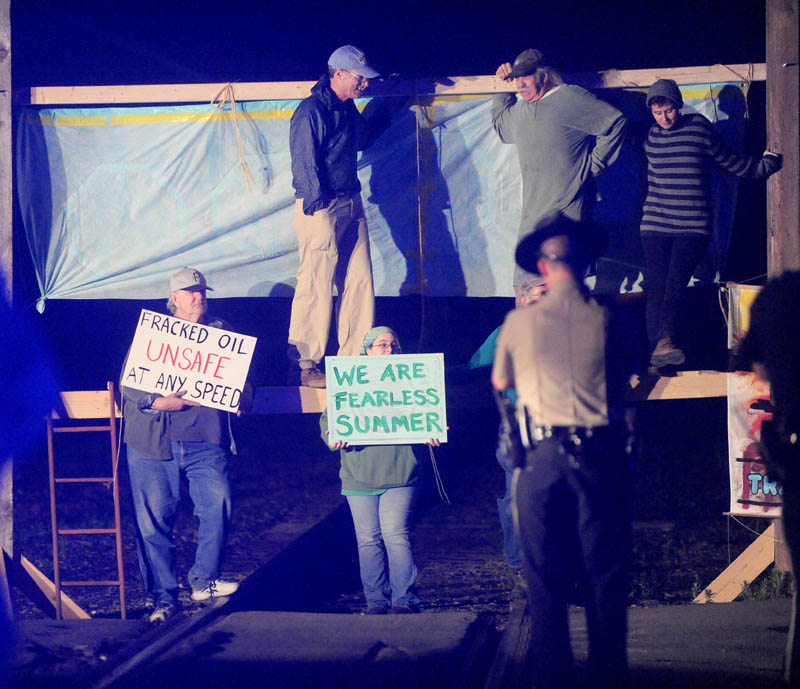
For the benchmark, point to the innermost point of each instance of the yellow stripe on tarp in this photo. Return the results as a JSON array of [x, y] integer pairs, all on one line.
[[161, 118], [189, 117], [78, 121]]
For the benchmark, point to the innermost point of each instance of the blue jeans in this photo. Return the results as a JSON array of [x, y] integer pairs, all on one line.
[[510, 535], [155, 485], [383, 526]]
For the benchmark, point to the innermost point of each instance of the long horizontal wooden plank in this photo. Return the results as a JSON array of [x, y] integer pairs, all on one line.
[[303, 400], [291, 90], [683, 385]]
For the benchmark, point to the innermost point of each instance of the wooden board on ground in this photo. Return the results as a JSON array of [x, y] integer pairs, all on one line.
[[755, 559], [35, 583]]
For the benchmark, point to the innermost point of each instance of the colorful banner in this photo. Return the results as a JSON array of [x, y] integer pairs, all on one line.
[[170, 354], [753, 492], [390, 399]]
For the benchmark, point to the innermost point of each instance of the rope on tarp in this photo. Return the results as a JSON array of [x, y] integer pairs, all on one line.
[[420, 232], [226, 95]]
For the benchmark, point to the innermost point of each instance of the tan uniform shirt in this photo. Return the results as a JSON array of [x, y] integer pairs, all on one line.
[[554, 353]]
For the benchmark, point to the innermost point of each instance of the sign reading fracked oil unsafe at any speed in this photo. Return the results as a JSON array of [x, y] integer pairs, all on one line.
[[394, 399], [169, 354]]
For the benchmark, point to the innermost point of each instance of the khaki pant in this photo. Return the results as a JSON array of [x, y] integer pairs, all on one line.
[[334, 250]]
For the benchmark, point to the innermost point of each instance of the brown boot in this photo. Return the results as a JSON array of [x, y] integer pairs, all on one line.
[[312, 377], [667, 354]]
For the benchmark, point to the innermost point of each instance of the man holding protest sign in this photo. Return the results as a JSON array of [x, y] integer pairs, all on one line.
[[572, 496], [170, 434]]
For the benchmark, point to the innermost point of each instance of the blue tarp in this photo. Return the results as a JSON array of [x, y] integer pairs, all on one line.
[[115, 200]]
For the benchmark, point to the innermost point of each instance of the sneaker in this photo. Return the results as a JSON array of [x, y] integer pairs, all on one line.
[[215, 589], [376, 610], [409, 609], [667, 354], [520, 589], [312, 378], [162, 612]]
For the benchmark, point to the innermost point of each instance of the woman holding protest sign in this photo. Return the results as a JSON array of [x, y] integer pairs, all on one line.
[[381, 483]]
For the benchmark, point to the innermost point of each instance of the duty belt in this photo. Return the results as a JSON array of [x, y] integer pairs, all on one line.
[[532, 433]]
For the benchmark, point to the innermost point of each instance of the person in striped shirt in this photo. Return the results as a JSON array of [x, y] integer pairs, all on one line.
[[676, 223]]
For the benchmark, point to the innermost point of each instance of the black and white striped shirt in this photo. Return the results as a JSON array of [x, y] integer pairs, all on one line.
[[679, 162]]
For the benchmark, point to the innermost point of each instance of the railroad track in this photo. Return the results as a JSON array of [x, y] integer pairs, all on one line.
[[262, 637]]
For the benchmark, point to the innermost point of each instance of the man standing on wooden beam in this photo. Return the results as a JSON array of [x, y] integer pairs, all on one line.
[[565, 137], [327, 131], [676, 221]]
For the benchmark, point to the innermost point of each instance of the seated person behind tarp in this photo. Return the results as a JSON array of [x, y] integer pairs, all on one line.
[[676, 223], [381, 484], [771, 347], [165, 437], [529, 291]]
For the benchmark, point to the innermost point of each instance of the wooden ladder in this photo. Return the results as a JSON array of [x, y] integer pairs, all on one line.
[[86, 404]]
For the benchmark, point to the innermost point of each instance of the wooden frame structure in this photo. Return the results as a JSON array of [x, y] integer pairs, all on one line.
[[448, 86], [783, 134]]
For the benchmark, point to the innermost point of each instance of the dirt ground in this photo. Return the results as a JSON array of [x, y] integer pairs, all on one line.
[[285, 478]]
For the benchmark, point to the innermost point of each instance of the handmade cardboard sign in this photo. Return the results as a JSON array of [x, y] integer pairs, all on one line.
[[390, 399], [169, 354]]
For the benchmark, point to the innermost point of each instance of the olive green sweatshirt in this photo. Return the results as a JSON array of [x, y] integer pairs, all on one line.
[[367, 468]]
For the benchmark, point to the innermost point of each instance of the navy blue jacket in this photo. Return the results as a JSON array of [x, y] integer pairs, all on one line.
[[325, 136]]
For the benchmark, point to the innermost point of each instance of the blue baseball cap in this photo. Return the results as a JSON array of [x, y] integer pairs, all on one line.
[[350, 57]]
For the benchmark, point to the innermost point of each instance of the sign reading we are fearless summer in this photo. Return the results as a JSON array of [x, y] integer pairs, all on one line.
[[392, 399], [169, 354]]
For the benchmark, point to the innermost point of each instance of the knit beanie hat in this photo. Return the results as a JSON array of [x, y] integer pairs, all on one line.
[[665, 88], [372, 335]]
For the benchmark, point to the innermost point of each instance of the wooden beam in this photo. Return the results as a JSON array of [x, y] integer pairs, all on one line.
[[450, 86], [35, 583], [783, 135], [754, 560], [6, 254], [84, 404], [683, 385]]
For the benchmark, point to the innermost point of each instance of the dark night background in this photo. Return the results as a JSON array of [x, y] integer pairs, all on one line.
[[81, 42], [85, 43]]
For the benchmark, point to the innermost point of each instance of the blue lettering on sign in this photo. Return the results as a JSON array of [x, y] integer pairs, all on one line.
[[761, 483]]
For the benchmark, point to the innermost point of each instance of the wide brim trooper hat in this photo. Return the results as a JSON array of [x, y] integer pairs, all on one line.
[[188, 279], [587, 242], [348, 57]]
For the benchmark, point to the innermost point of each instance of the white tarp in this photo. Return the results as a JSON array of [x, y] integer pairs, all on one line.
[[115, 200]]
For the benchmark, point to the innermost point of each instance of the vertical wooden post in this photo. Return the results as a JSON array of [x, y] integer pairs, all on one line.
[[6, 251], [783, 135]]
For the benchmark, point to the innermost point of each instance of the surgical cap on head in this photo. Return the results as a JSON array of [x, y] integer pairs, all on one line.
[[372, 335]]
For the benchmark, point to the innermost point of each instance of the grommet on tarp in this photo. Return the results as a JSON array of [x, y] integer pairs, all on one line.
[[40, 304]]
